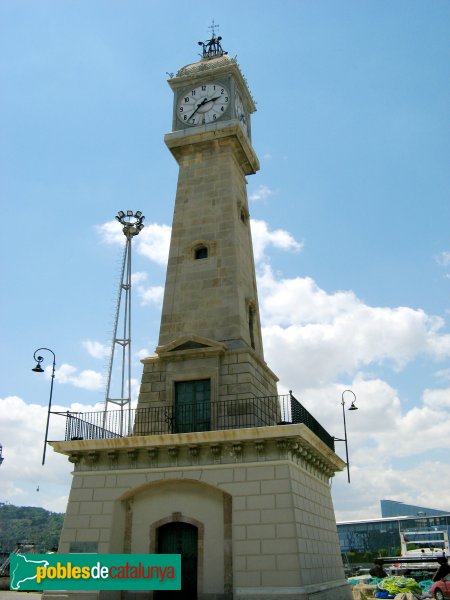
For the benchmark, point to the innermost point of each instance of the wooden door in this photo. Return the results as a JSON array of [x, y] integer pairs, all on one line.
[[192, 406], [181, 538]]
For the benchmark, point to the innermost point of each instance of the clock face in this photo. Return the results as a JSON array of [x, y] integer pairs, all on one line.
[[204, 104], [240, 112]]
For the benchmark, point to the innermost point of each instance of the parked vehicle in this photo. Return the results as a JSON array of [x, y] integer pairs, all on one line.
[[441, 589]]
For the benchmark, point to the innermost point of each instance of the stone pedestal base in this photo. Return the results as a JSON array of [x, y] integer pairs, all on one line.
[[257, 501]]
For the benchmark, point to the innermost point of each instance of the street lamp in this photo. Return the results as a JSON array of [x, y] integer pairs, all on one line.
[[39, 369], [352, 407]]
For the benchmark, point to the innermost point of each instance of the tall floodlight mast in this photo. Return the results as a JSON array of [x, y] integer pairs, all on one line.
[[132, 226]]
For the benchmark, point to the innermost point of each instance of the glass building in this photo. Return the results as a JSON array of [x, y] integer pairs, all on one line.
[[373, 535]]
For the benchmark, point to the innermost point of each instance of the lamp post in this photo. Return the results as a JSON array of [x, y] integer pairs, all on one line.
[[39, 369], [352, 407], [132, 225]]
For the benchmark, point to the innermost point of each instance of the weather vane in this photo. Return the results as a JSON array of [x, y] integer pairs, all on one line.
[[212, 47]]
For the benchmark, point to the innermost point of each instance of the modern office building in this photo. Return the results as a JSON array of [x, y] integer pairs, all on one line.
[[373, 535]]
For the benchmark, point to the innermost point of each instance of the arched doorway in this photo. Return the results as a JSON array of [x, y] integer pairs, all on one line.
[[180, 538]]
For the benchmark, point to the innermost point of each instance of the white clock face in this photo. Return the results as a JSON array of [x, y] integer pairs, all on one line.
[[204, 104], [240, 112]]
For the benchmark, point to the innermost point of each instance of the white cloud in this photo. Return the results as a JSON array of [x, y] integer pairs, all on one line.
[[418, 484], [96, 349], [437, 399], [87, 379], [151, 295], [263, 237], [23, 427], [143, 353], [261, 194], [152, 242], [138, 277], [111, 233], [443, 374], [324, 335], [328, 336], [22, 436], [389, 448], [443, 259]]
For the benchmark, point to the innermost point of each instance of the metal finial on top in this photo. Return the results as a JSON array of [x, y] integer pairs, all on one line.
[[213, 27], [212, 47]]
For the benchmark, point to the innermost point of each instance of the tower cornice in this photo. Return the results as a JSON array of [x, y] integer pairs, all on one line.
[[207, 136]]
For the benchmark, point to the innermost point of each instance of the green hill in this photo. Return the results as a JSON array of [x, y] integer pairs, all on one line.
[[29, 523]]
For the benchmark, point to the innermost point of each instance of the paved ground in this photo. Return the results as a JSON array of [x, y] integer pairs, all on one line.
[[7, 595]]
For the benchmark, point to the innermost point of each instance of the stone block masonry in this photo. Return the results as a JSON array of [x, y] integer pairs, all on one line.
[[261, 502]]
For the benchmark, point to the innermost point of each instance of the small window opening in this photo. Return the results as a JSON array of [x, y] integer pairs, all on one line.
[[201, 252], [244, 215], [251, 324]]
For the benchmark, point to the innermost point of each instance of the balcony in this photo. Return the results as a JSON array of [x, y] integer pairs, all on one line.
[[198, 417]]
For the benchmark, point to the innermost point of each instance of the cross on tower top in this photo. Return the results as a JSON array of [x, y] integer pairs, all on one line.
[[212, 27]]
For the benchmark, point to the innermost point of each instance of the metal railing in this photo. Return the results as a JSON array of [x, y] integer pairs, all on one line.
[[201, 416]]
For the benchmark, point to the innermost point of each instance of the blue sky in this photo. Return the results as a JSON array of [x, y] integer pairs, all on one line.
[[350, 216]]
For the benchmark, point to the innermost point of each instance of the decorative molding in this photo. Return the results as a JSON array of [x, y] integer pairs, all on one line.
[[285, 442], [202, 342], [132, 456], [283, 447], [92, 457], [194, 451], [75, 458], [173, 453], [113, 456], [216, 451], [237, 451], [260, 449], [153, 456]]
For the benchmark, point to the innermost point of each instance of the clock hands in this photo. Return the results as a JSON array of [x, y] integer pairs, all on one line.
[[202, 103]]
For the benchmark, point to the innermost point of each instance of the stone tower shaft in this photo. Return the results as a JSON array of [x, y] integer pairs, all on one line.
[[210, 285]]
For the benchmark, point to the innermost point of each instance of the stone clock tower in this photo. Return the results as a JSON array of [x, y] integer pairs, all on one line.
[[210, 325], [217, 467]]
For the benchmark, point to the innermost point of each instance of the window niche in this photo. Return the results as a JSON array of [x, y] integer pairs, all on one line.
[[244, 215], [251, 323], [201, 252]]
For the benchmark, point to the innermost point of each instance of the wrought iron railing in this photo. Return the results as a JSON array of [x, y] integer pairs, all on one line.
[[202, 416]]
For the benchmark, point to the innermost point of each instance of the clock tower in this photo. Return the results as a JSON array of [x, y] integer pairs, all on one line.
[[216, 466], [210, 325]]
